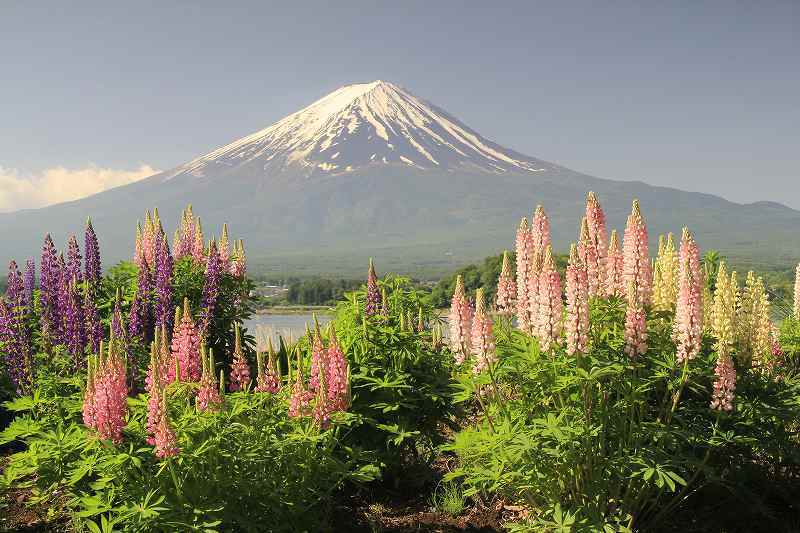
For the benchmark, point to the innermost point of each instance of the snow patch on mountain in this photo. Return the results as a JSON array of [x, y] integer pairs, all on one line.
[[362, 125]]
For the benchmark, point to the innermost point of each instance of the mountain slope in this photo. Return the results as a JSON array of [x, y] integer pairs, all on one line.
[[371, 170]]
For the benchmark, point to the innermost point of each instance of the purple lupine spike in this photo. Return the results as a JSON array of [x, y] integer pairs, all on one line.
[[163, 282], [143, 322], [63, 295], [92, 251], [74, 337], [48, 286], [94, 329], [74, 259], [29, 282], [14, 334], [373, 304], [15, 288], [210, 288]]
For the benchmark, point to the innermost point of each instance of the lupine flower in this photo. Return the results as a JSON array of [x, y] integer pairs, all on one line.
[[592, 263], [138, 249], [384, 302], [29, 282], [459, 322], [540, 230], [165, 438], [577, 288], [321, 413], [155, 389], [198, 247], [373, 302], [301, 397], [185, 348], [524, 255], [724, 312], [635, 324], [140, 322], [111, 395], [149, 241], [636, 259], [63, 296], [210, 288], [615, 268], [665, 286], [596, 219], [223, 248], [92, 260], [338, 375], [187, 228], [88, 410], [14, 335], [482, 335], [506, 288], [208, 394], [268, 379], [74, 259], [724, 384], [797, 293], [135, 321], [240, 370], [688, 325], [238, 266], [176, 245], [48, 289], [319, 358], [15, 286], [93, 327], [163, 282], [74, 336], [550, 306]]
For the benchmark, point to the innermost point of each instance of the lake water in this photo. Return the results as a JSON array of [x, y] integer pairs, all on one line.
[[289, 326]]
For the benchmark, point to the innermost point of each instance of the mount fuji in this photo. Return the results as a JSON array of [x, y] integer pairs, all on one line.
[[372, 170]]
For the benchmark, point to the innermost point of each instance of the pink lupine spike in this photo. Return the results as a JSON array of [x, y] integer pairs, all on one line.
[[724, 384], [483, 346], [614, 279], [506, 288], [550, 305], [688, 325], [185, 347], [459, 322], [337, 374], [577, 319], [636, 259], [587, 252], [524, 254], [240, 369], [635, 324]]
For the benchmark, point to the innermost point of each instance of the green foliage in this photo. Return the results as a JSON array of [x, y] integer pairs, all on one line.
[[602, 442], [400, 380], [319, 291]]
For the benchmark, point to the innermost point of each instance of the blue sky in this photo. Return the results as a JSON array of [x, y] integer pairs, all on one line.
[[697, 95]]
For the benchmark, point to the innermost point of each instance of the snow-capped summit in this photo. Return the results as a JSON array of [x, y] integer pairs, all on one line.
[[363, 125]]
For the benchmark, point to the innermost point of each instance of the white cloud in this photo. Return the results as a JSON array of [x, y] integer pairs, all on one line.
[[60, 184]]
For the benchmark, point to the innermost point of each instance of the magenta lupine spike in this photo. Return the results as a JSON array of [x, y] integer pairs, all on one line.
[[48, 288], [373, 301], [63, 296], [319, 358], [166, 441], [111, 395], [29, 283], [321, 413], [550, 305], [587, 252], [15, 286], [524, 255], [15, 337], [185, 349], [240, 369], [460, 323], [198, 246], [636, 258], [688, 325], [74, 260], [615, 268], [163, 283], [223, 248], [210, 288], [635, 324], [337, 375], [577, 319], [91, 248], [724, 384], [268, 379], [74, 336], [482, 336], [208, 395], [506, 289]]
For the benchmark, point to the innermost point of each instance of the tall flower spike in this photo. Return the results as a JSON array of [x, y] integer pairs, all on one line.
[[635, 324], [240, 370], [577, 289], [268, 379], [155, 387], [29, 282], [14, 334], [48, 291], [668, 264], [506, 288], [185, 347], [724, 384], [322, 410], [73, 260], [163, 282], [550, 304], [111, 394], [614, 280], [373, 299], [724, 313], [149, 240], [636, 259], [319, 357], [74, 325], [88, 410], [198, 247], [301, 397], [459, 322], [208, 395], [525, 275], [91, 248], [597, 232], [337, 374], [166, 441], [588, 254], [688, 325], [210, 288], [223, 247], [238, 266], [483, 347]]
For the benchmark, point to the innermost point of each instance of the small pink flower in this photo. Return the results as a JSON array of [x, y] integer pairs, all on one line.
[[524, 251], [483, 346], [506, 288], [337, 374], [636, 258], [460, 323], [577, 289], [319, 358], [185, 348], [550, 305], [240, 369]]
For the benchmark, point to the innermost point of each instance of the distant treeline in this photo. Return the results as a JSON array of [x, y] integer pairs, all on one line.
[[320, 291]]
